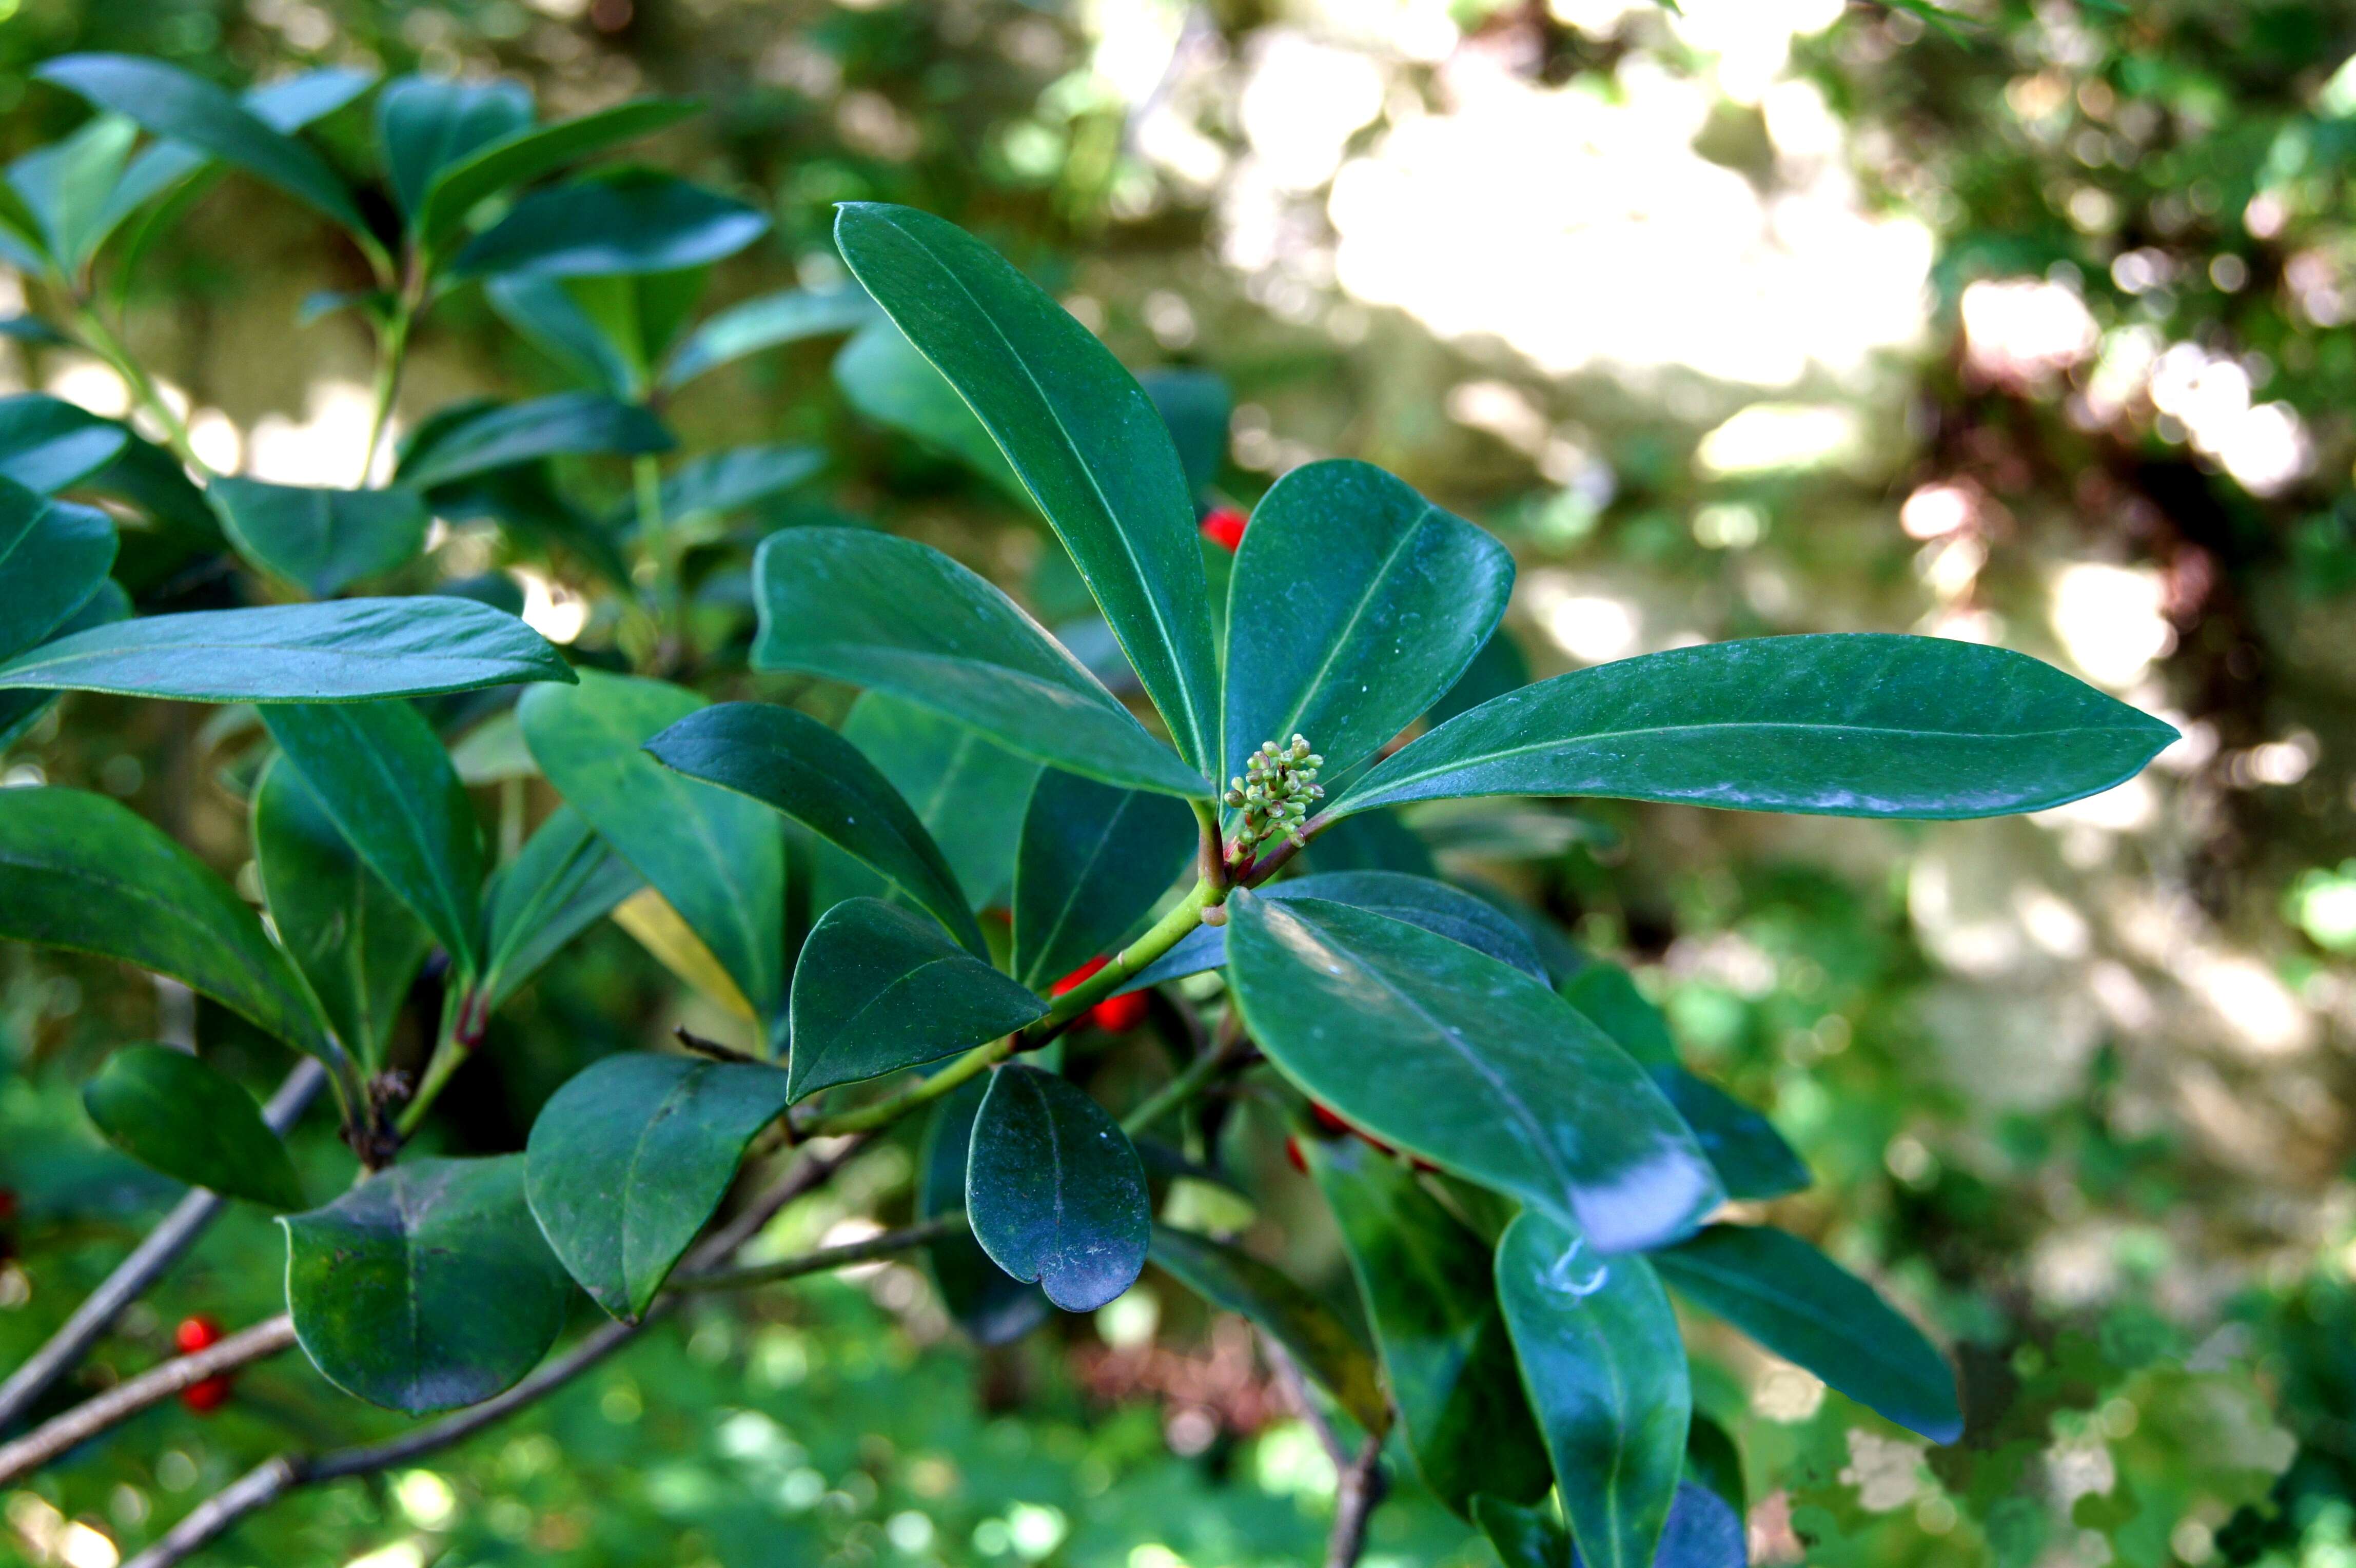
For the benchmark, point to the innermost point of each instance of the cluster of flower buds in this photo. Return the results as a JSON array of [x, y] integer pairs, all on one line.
[[1275, 792]]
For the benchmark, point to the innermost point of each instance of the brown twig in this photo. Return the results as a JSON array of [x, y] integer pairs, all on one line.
[[128, 1398], [713, 1049], [1360, 1491]]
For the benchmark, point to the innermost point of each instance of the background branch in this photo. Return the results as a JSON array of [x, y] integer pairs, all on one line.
[[128, 1398], [146, 1263]]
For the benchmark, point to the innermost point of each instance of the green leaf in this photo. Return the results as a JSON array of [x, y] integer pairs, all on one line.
[[884, 376], [65, 184], [640, 314], [992, 1306], [354, 939], [1485, 1071], [172, 103], [1524, 1538], [1605, 1370], [636, 221], [1500, 667], [563, 882], [1356, 604], [1752, 1158], [1084, 439], [174, 1114], [1715, 1464], [1852, 724], [380, 772], [20, 710], [770, 321], [502, 437], [790, 761], [1093, 861], [1420, 901], [631, 1156], [545, 311], [1608, 996], [1054, 1191], [529, 155], [900, 616], [48, 444], [878, 989], [426, 124], [53, 556], [317, 539], [1372, 841], [1309, 1331], [34, 331], [1429, 1289], [721, 482], [1195, 407], [969, 793], [1809, 1310], [425, 1287], [81, 871], [716, 857], [345, 650]]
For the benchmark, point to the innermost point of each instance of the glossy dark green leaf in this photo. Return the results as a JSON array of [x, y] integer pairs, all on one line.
[[636, 221], [345, 650], [1500, 667], [721, 482], [790, 761], [1485, 1071], [65, 184], [1715, 1464], [1420, 901], [1604, 1368], [770, 321], [1356, 604], [53, 556], [172, 103], [1432, 1296], [81, 871], [427, 123], [48, 444], [1703, 1531], [574, 422], [878, 989], [1054, 1191], [716, 857], [1311, 1332], [174, 1114], [1524, 1536], [969, 791], [426, 1286], [1809, 1310], [900, 616], [631, 1156], [531, 153], [564, 880], [884, 378], [1093, 861], [354, 939], [1195, 406], [380, 772], [1372, 841], [19, 709], [1084, 439], [1852, 724], [1752, 1158], [320, 540], [992, 1306], [545, 311]]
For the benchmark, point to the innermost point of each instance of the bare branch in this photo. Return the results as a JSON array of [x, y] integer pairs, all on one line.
[[133, 1395], [823, 1259], [146, 1263], [264, 1485], [1361, 1490]]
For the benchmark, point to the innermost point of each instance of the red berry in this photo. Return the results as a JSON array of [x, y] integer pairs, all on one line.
[[1293, 1152], [1076, 975], [197, 1333], [208, 1396], [1327, 1122], [1223, 526], [1119, 1014], [7, 1204]]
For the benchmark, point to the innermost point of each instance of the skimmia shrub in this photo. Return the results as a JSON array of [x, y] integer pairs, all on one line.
[[1003, 841]]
